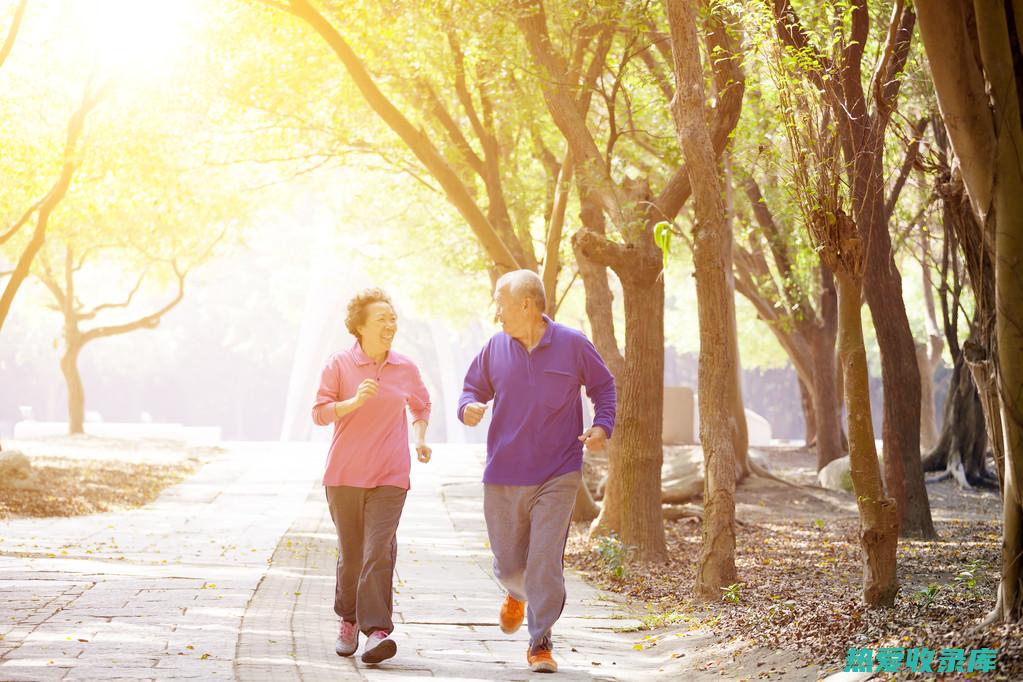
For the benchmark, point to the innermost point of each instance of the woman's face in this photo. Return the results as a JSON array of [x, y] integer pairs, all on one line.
[[380, 327]]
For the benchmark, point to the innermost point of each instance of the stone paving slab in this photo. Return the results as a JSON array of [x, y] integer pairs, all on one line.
[[152, 593], [446, 602], [229, 575]]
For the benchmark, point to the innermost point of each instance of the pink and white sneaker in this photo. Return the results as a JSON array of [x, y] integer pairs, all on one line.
[[347, 639], [379, 647]]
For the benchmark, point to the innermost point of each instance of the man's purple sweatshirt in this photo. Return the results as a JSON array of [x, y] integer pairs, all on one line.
[[538, 412]]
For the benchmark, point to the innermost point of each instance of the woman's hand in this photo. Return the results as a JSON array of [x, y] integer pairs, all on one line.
[[423, 451], [367, 389]]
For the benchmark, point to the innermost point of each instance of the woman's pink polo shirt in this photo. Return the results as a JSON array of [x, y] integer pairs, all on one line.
[[370, 446]]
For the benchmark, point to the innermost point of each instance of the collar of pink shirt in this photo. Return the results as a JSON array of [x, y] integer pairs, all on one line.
[[362, 359]]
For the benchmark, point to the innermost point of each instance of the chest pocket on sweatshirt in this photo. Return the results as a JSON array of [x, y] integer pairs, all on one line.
[[557, 388]]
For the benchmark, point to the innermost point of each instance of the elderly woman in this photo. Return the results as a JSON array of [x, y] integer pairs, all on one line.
[[364, 392]]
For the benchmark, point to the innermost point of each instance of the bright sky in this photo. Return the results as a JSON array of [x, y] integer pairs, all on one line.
[[133, 37]]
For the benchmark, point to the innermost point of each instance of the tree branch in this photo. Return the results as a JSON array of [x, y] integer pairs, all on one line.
[[551, 261], [84, 316], [12, 32], [56, 194], [150, 321], [452, 129], [564, 109], [416, 141], [730, 80], [908, 162]]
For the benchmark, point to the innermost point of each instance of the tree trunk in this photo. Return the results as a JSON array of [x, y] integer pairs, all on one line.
[[904, 476], [928, 429], [712, 265], [599, 300], [635, 462], [982, 369], [809, 417], [962, 445], [879, 522], [740, 429], [585, 509], [999, 37], [75, 389], [928, 356], [1009, 303], [826, 404]]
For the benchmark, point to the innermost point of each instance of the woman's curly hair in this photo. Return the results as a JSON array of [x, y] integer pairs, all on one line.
[[356, 316]]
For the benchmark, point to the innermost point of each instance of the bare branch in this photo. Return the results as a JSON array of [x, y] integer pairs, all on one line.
[[564, 108], [551, 262], [908, 163], [52, 198], [21, 221], [91, 314], [12, 32], [420, 145], [150, 321], [452, 129]]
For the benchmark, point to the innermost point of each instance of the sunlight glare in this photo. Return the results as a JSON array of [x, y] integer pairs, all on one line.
[[136, 37]]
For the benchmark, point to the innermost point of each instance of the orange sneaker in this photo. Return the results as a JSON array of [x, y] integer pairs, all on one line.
[[512, 613], [541, 661]]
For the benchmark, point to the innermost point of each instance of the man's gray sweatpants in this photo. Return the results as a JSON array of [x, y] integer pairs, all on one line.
[[528, 527], [366, 520]]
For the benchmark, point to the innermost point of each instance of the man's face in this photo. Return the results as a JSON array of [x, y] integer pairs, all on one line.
[[511, 312]]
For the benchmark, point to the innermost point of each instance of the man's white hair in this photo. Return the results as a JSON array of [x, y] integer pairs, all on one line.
[[524, 284]]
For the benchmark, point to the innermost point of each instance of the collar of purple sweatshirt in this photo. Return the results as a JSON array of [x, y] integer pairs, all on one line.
[[537, 413]]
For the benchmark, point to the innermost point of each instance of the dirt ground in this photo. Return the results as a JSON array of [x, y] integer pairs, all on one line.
[[72, 476], [798, 566]]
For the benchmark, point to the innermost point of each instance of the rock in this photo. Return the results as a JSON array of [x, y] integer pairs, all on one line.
[[836, 475], [14, 466], [681, 474], [672, 512]]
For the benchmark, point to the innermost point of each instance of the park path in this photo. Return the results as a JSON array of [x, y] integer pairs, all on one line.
[[230, 576]]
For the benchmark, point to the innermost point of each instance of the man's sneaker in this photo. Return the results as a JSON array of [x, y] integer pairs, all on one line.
[[379, 647], [512, 613], [347, 639], [541, 661]]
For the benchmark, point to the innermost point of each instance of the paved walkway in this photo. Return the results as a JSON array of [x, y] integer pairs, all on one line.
[[230, 576], [154, 593]]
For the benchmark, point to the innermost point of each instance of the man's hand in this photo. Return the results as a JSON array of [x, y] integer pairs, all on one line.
[[473, 413], [594, 438], [423, 452], [367, 389]]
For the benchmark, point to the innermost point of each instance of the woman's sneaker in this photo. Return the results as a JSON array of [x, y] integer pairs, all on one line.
[[347, 639], [379, 647]]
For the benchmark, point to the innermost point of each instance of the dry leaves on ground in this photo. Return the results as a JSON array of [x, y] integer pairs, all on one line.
[[799, 584], [73, 487]]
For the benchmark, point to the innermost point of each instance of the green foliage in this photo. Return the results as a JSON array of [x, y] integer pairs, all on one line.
[[732, 593], [925, 596], [613, 555], [967, 578], [662, 237]]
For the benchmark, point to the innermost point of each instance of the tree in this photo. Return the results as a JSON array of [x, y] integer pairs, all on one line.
[[74, 314], [974, 53], [43, 208], [448, 100], [806, 333], [814, 150], [632, 500], [712, 257], [961, 447], [862, 134]]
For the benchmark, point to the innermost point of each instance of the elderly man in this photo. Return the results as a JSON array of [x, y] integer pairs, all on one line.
[[533, 370]]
